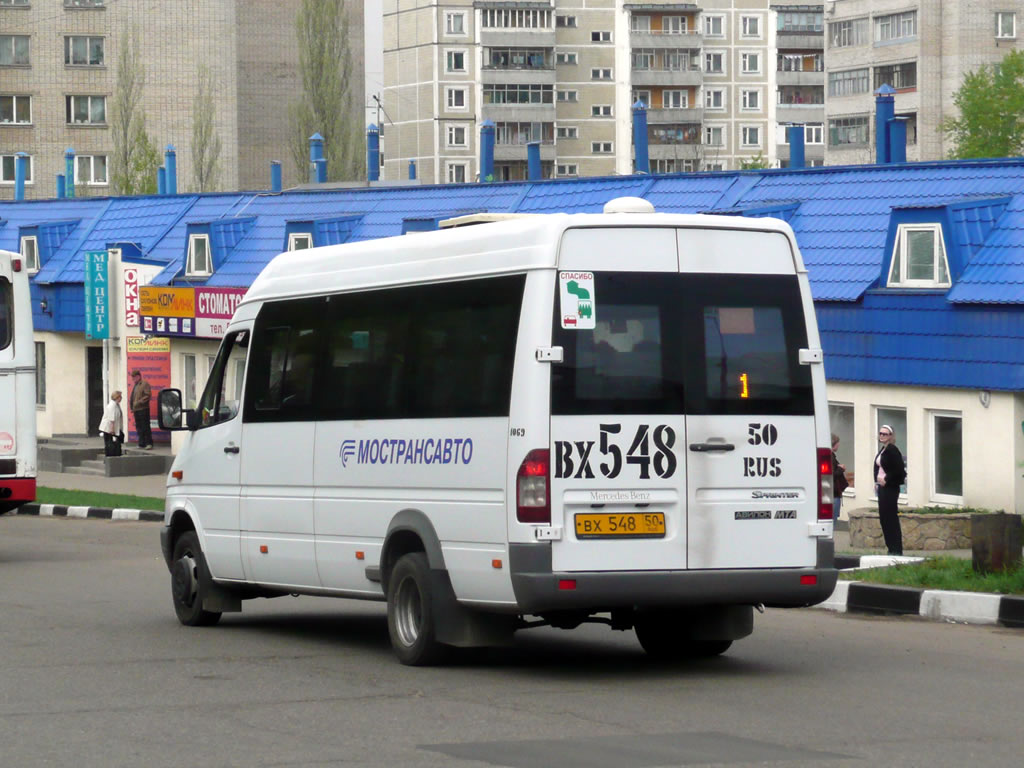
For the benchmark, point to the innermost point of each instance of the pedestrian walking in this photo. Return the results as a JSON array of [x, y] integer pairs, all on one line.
[[112, 425], [890, 473], [139, 402], [839, 482]]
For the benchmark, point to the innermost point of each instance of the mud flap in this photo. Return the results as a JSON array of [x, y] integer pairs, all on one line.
[[216, 598], [462, 627], [712, 623]]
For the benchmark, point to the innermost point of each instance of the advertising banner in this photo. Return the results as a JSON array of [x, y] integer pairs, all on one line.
[[193, 312], [214, 308], [131, 297], [151, 356], [97, 296]]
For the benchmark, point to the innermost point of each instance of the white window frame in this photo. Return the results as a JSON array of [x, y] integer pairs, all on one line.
[[567, 169], [449, 17], [567, 58], [14, 170], [567, 97], [601, 73], [674, 25], [31, 261], [901, 443], [190, 379], [895, 23], [600, 36], [91, 181], [939, 258], [933, 458], [69, 109], [69, 47], [744, 136], [709, 25], [669, 93], [709, 129], [451, 172], [14, 97], [642, 94], [745, 58], [847, 434], [601, 110], [814, 133], [294, 238], [190, 260], [639, 22], [563, 21], [1002, 16], [449, 53], [750, 99], [709, 94], [449, 93], [450, 135], [723, 58], [602, 147], [567, 132], [751, 21]]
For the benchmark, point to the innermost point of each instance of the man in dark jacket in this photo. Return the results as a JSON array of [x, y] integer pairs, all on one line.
[[139, 403]]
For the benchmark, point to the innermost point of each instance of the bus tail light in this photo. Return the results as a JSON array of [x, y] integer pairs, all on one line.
[[16, 265], [533, 487], [825, 498]]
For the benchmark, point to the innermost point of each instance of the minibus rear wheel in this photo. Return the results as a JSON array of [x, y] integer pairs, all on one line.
[[664, 636], [411, 617], [189, 582]]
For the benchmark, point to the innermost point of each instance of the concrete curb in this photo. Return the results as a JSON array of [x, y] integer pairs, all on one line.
[[102, 513]]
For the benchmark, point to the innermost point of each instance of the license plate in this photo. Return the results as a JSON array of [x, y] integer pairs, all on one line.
[[629, 525]]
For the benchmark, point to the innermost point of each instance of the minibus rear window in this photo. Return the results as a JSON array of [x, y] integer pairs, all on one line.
[[6, 313], [667, 343]]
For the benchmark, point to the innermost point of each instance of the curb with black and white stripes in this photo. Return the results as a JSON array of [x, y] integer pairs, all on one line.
[[102, 513], [935, 604]]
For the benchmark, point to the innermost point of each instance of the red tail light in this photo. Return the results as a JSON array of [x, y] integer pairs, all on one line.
[[533, 487], [16, 265], [825, 498]]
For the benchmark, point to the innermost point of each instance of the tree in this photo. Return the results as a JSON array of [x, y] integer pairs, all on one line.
[[990, 103], [135, 159], [327, 103], [756, 163], [206, 144]]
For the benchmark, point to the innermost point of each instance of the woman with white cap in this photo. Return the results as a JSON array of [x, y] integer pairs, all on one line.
[[890, 473]]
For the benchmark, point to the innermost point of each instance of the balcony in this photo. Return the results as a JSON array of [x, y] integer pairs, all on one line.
[[506, 37], [810, 41], [801, 78], [672, 134], [673, 116], [800, 113], [514, 152], [682, 77], [519, 113], [653, 39], [492, 75]]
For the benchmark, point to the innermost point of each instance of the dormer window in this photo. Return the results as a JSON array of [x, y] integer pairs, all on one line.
[[30, 253], [919, 258], [199, 263], [299, 241]]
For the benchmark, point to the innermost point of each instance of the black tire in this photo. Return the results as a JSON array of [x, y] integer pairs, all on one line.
[[411, 618], [664, 637], [190, 582]]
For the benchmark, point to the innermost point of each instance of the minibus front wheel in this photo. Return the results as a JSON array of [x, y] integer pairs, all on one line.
[[190, 581], [411, 612]]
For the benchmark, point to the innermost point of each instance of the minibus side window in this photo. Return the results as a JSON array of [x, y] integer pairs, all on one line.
[[6, 313], [216, 405]]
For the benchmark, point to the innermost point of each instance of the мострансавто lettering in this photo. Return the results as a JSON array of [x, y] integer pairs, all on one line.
[[446, 450]]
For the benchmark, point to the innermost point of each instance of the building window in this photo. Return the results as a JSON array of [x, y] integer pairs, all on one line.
[[84, 3], [714, 26], [1006, 25], [569, 96], [567, 22], [750, 63], [751, 135], [947, 457], [714, 62], [601, 147], [516, 58], [455, 61], [848, 131], [639, 23], [299, 241], [840, 417], [91, 169], [569, 57], [714, 135], [896, 27], [30, 253], [642, 96], [515, 18], [899, 76], [8, 169], [599, 36], [751, 100], [522, 93], [675, 100], [642, 59], [897, 419], [750, 26], [566, 169], [714, 98], [456, 136], [602, 73], [845, 34], [814, 133], [198, 262], [456, 98], [188, 368], [81, 51], [455, 23], [16, 109], [14, 50], [568, 132], [523, 133], [85, 110], [674, 25], [919, 257], [14, 3], [800, 21], [40, 373], [457, 173], [848, 82], [601, 110]]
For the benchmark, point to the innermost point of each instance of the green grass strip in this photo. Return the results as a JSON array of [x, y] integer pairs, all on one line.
[[72, 498], [953, 573]]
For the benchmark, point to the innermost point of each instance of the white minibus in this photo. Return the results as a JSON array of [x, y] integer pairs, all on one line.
[[17, 386], [550, 420]]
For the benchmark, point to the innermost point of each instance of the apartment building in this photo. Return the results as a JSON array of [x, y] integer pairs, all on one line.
[[921, 49], [58, 74], [566, 73]]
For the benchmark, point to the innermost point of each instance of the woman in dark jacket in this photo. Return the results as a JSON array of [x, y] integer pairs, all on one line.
[[889, 476]]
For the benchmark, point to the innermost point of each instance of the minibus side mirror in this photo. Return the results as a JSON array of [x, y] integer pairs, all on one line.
[[170, 415]]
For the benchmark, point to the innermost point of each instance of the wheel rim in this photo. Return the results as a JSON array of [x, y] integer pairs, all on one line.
[[184, 582], [408, 612]]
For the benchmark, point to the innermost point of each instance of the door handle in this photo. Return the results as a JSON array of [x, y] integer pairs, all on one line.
[[708, 447], [231, 449]]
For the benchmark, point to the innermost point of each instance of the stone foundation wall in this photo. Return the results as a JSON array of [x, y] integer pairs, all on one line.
[[920, 532]]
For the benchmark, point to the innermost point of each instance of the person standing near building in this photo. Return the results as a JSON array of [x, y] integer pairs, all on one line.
[[890, 473], [139, 402], [839, 483], [112, 425]]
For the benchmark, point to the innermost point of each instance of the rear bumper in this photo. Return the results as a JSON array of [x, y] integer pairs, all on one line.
[[537, 588], [15, 491]]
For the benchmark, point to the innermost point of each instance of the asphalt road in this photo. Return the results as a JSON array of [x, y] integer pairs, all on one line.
[[96, 671]]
